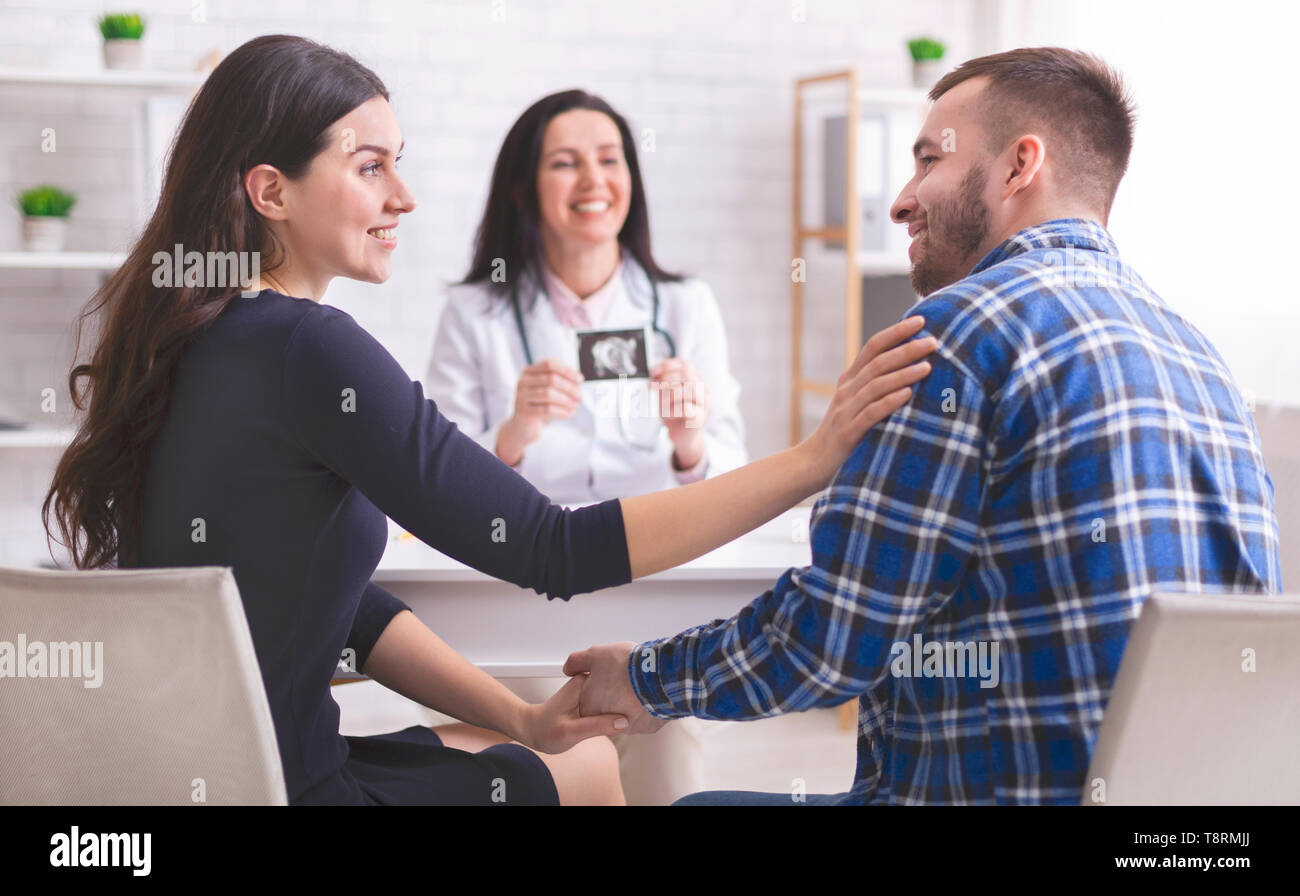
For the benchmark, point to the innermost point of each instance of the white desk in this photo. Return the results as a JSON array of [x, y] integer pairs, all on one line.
[[514, 632]]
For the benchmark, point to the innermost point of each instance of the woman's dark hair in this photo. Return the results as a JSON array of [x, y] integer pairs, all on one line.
[[511, 225], [271, 101]]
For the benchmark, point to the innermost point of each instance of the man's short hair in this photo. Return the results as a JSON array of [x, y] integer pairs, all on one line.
[[1074, 100]]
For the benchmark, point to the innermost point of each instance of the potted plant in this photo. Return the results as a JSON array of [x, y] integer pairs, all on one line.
[[122, 33], [45, 216], [927, 60]]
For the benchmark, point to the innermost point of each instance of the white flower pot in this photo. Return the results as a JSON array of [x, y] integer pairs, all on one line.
[[927, 71], [121, 52], [44, 234]]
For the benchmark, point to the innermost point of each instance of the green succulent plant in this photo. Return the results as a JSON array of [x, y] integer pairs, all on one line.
[[923, 48], [46, 201], [122, 25]]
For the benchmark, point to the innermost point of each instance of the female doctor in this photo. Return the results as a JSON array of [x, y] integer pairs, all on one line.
[[564, 246]]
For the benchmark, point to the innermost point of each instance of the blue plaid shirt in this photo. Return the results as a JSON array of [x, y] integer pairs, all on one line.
[[979, 559]]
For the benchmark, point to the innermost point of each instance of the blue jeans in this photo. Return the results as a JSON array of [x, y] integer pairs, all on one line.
[[751, 798]]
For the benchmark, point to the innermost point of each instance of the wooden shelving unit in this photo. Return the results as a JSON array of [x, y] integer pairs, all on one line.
[[846, 235], [858, 263]]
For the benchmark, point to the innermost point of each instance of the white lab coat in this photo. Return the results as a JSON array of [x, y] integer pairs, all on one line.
[[478, 358]]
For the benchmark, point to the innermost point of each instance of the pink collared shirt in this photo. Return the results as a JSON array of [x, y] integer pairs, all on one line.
[[588, 313], [581, 314]]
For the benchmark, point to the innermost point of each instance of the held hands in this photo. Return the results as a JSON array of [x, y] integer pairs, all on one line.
[[557, 725], [596, 700], [608, 688], [546, 390], [875, 385], [683, 406]]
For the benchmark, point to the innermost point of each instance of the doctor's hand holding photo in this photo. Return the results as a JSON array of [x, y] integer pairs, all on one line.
[[683, 406], [546, 391]]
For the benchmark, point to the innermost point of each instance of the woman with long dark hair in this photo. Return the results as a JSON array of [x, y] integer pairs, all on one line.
[[267, 432]]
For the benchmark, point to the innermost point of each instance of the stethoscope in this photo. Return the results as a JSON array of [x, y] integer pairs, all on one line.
[[654, 328]]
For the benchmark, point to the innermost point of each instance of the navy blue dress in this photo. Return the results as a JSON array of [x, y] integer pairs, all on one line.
[[290, 434]]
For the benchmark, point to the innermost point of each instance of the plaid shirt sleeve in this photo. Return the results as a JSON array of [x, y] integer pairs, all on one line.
[[891, 538]]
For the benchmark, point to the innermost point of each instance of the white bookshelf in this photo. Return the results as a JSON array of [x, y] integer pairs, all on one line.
[[141, 78], [64, 261], [152, 81], [36, 437]]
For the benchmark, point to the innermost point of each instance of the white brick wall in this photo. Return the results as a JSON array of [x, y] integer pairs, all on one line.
[[713, 79]]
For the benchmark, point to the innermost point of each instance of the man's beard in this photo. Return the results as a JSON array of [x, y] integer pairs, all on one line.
[[954, 231]]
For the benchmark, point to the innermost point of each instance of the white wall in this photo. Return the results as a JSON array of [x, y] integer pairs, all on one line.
[[712, 79]]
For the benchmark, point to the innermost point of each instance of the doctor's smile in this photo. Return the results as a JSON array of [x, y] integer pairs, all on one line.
[[592, 208]]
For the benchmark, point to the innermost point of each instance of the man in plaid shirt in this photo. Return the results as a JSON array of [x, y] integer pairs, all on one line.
[[979, 559]]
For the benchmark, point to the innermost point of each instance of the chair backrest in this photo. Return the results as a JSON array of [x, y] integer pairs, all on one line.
[[1206, 706], [131, 687]]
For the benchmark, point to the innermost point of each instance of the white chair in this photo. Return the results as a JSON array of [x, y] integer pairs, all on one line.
[[158, 697], [1205, 708]]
